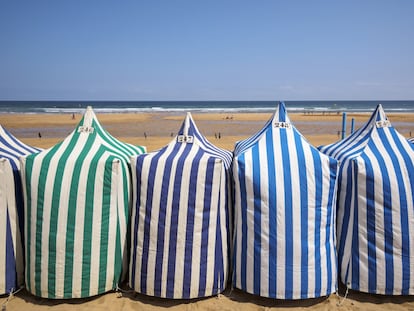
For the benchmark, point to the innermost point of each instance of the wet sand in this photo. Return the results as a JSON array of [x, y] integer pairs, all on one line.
[[159, 128]]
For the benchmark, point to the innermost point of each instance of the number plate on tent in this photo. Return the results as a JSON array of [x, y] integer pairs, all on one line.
[[282, 125], [383, 123], [85, 129], [185, 139]]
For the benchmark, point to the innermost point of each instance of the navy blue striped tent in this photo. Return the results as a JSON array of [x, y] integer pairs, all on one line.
[[285, 193], [375, 209], [77, 211], [181, 218], [411, 140], [11, 211]]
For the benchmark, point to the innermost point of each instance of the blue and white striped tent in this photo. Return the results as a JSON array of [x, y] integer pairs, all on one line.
[[11, 212], [375, 209], [411, 140], [181, 218], [285, 193], [78, 201]]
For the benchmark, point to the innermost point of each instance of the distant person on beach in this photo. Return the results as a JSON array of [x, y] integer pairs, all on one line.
[[145, 135], [40, 135], [73, 116]]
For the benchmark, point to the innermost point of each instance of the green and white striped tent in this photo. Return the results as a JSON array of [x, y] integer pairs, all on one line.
[[77, 205]]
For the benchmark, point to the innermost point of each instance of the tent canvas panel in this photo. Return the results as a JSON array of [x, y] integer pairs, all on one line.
[[284, 215], [375, 208], [77, 235], [78, 202], [11, 212], [11, 260], [383, 222], [180, 219]]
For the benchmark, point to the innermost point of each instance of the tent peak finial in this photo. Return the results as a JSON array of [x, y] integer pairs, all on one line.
[[280, 114], [187, 123]]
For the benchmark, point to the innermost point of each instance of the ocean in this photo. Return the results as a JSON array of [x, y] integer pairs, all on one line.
[[201, 106]]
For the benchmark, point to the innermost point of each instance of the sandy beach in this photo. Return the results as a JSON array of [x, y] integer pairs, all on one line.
[[229, 300], [223, 130]]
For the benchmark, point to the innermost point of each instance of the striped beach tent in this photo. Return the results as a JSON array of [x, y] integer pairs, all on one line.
[[284, 201], [11, 212], [375, 209], [181, 218], [78, 200], [411, 140]]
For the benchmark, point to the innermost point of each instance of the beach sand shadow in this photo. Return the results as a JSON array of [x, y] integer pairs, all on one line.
[[35, 300], [373, 298], [234, 295], [161, 302], [230, 298], [243, 297]]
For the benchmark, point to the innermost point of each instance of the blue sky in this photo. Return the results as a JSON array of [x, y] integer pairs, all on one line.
[[206, 50]]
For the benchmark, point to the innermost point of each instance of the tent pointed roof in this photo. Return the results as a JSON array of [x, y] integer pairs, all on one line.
[[279, 120], [360, 138], [189, 133], [90, 131], [11, 148], [188, 127]]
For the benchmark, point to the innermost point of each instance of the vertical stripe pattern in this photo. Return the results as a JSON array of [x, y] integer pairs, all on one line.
[[180, 218], [11, 211], [284, 196], [77, 197], [376, 208]]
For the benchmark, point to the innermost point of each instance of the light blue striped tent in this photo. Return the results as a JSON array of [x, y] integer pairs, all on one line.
[[181, 218], [78, 201], [11, 211], [375, 209], [285, 192]]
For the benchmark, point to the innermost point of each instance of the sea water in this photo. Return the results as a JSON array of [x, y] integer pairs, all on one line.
[[202, 106]]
